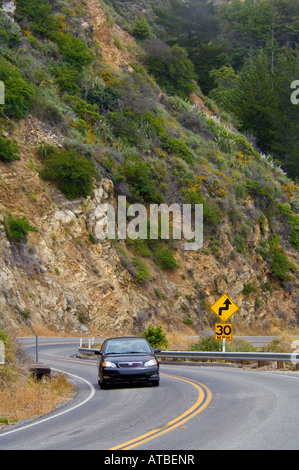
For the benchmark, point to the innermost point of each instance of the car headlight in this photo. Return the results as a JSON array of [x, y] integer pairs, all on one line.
[[151, 362], [109, 364]]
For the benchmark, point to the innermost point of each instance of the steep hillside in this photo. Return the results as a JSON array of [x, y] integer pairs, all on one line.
[[85, 120]]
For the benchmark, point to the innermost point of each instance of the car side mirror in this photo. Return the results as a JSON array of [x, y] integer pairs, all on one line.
[[156, 351], [97, 352]]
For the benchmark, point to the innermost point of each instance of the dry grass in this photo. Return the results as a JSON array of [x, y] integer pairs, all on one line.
[[180, 341], [28, 398], [21, 395]]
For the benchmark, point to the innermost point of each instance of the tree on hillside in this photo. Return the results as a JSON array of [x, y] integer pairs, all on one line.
[[171, 67], [251, 24]]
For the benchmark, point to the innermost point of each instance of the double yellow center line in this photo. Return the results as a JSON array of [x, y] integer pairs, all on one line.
[[203, 400]]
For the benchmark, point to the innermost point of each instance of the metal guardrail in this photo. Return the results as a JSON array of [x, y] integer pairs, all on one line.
[[260, 357], [234, 356]]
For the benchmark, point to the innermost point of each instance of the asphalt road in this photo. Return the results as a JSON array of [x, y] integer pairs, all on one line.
[[195, 407]]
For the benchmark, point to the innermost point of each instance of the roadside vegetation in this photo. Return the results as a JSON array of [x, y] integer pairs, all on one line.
[[21, 395], [156, 337]]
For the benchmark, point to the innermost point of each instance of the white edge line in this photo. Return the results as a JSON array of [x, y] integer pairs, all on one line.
[[92, 392]]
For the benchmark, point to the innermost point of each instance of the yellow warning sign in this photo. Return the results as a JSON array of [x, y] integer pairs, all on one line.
[[223, 330], [224, 308]]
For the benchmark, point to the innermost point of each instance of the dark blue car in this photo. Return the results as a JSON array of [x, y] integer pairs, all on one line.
[[127, 359]]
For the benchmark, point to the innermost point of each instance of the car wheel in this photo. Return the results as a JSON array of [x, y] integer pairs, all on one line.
[[103, 385]]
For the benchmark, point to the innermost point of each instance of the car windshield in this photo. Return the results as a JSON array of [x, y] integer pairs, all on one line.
[[127, 346]]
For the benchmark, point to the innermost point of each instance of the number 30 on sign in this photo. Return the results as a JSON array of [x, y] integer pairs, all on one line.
[[223, 330]]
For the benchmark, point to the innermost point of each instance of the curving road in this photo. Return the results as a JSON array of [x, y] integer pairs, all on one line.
[[195, 407]]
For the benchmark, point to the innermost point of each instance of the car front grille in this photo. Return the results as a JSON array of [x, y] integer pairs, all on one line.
[[130, 364]]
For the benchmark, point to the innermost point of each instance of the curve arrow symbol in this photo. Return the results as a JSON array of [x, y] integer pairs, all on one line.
[[227, 303]]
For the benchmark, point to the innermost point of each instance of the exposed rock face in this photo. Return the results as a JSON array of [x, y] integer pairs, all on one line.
[[65, 279], [61, 280], [117, 46]]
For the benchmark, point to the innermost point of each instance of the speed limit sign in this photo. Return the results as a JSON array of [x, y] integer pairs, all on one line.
[[223, 331]]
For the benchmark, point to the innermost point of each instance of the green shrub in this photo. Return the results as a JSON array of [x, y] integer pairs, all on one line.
[[10, 32], [138, 246], [141, 29], [17, 229], [211, 217], [47, 107], [125, 125], [8, 150], [240, 346], [67, 78], [279, 263], [241, 238], [46, 150], [92, 238], [248, 288], [171, 67], [39, 14], [164, 258], [85, 111], [156, 337], [74, 51], [275, 346], [191, 196], [137, 174], [72, 173], [178, 148], [18, 93], [141, 270], [276, 257], [211, 213], [293, 220], [206, 344], [294, 236], [157, 123], [262, 194], [105, 97]]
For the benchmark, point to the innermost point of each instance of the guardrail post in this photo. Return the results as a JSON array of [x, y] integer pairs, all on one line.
[[261, 363]]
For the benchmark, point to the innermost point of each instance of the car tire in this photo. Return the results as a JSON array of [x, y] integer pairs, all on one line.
[[103, 385], [155, 383]]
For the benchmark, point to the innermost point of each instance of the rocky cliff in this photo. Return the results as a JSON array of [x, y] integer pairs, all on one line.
[[61, 278]]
